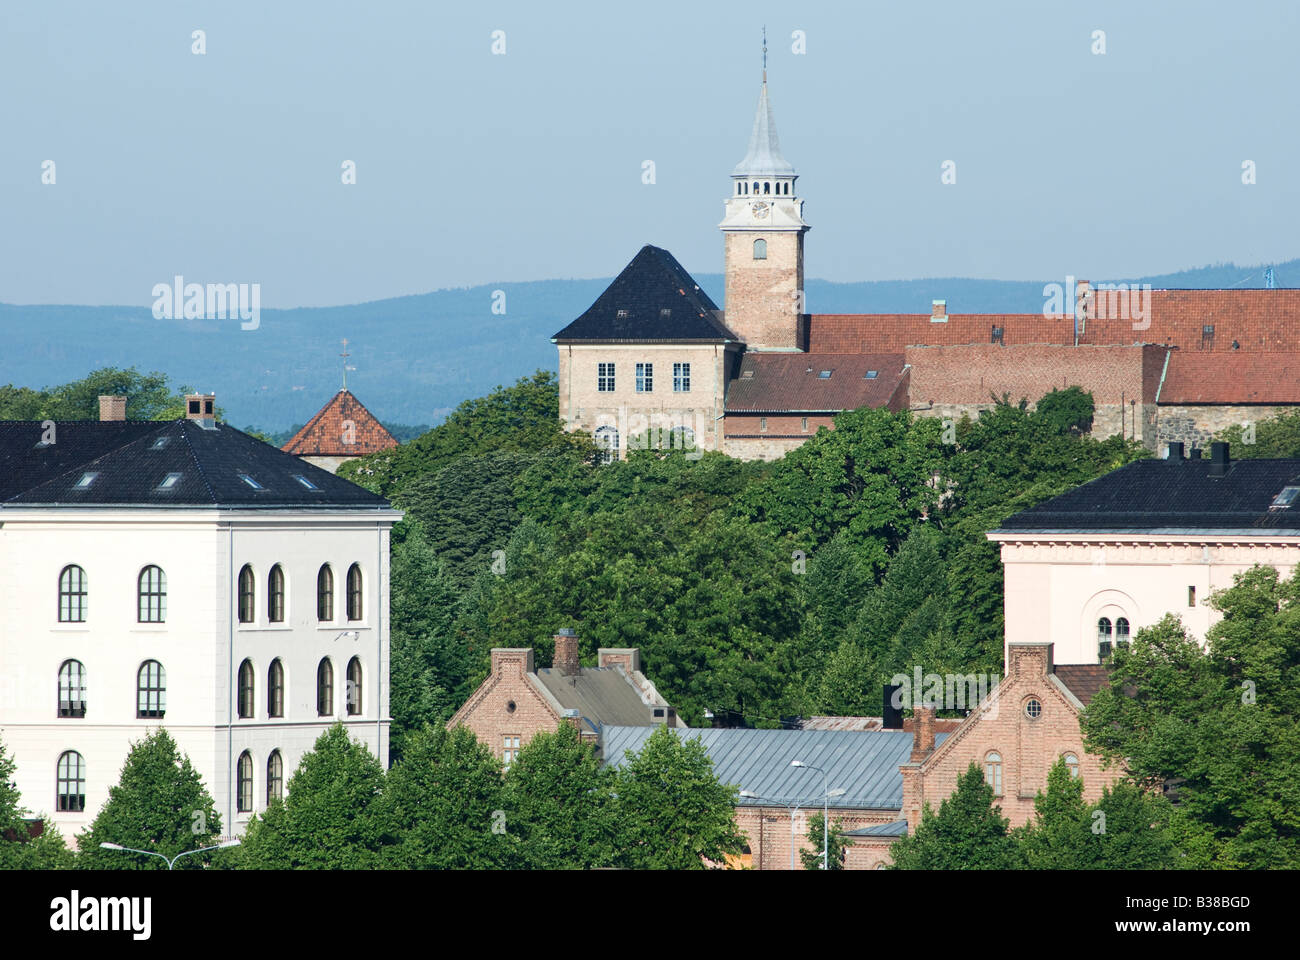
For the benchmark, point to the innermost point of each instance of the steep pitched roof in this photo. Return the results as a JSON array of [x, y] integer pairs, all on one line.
[[764, 157], [325, 434], [792, 382], [653, 299], [603, 695], [1175, 494], [175, 463]]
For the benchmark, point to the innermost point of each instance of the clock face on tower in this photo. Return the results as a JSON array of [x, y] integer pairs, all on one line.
[[760, 209]]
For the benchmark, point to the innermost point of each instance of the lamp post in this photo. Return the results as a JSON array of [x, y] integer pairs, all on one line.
[[792, 807], [171, 863], [827, 793]]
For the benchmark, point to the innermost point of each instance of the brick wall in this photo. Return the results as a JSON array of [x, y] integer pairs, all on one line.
[[507, 703], [767, 832], [762, 305]]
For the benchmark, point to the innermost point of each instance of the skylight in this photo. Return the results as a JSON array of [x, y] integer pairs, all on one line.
[[824, 375], [160, 443], [86, 480], [305, 482], [250, 481], [1286, 497], [169, 481], [871, 375]]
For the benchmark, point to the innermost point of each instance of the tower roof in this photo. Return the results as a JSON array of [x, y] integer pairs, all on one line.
[[323, 435], [764, 157]]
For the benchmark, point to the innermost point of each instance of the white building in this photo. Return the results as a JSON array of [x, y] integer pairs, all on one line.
[[183, 575]]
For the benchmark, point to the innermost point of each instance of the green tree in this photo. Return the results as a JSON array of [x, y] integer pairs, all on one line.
[[674, 813], [968, 833], [149, 396], [1068, 411], [834, 840], [1270, 438], [332, 819], [18, 849], [159, 804], [443, 804], [1061, 835], [560, 813]]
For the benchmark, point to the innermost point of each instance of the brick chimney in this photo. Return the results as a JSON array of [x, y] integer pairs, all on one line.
[[112, 408], [202, 408], [922, 733], [938, 311], [565, 660]]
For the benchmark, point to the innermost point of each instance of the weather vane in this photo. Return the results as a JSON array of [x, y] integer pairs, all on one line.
[[345, 356]]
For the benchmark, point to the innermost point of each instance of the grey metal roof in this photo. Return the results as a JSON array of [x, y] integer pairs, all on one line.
[[895, 828], [864, 763], [602, 695], [764, 157]]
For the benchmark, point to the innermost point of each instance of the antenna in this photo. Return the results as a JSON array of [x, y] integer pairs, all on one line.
[[345, 356]]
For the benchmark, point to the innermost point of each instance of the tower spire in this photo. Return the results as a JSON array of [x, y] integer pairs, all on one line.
[[345, 356], [764, 54]]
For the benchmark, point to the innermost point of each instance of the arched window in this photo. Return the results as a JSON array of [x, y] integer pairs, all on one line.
[[325, 688], [72, 689], [151, 690], [72, 595], [607, 441], [1072, 764], [786, 191], [71, 783], [354, 687], [354, 592], [275, 595], [274, 777], [245, 778], [246, 595], [993, 771], [275, 689], [1103, 638], [1121, 630], [756, 186], [760, 249], [152, 595], [767, 187], [246, 690], [325, 593]]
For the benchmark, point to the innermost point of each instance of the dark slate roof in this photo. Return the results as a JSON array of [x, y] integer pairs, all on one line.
[[864, 763], [792, 382], [653, 282], [603, 695], [132, 459], [1156, 495], [1083, 679]]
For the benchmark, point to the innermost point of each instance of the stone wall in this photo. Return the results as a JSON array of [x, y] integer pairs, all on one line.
[[1197, 424]]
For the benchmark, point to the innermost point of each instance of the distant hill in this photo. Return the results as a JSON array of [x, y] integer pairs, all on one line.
[[417, 357]]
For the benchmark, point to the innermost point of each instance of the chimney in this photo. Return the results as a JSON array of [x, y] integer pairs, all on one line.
[[938, 311], [1175, 451], [202, 408], [891, 717], [1195, 454], [112, 408], [922, 733], [1219, 459], [565, 660]]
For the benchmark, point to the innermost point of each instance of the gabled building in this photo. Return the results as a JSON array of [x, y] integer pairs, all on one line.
[[182, 574], [341, 430]]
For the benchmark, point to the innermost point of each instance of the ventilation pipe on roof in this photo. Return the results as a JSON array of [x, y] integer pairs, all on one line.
[[1175, 451]]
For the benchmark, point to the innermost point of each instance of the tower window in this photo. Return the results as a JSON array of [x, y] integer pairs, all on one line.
[[681, 378], [756, 186], [762, 424], [760, 249], [645, 377], [767, 188]]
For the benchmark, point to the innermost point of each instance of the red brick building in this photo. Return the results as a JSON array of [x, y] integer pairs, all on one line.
[[340, 430]]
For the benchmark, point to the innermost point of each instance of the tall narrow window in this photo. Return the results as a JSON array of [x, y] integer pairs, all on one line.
[[246, 690], [151, 690], [993, 772], [1191, 596], [72, 595], [325, 688], [645, 377], [354, 687], [275, 595], [245, 778], [1104, 637], [607, 441], [71, 782], [325, 593], [604, 378], [274, 777], [152, 593], [509, 748], [275, 689], [72, 689], [681, 378], [760, 249], [1072, 764], [354, 592], [246, 594], [1121, 630]]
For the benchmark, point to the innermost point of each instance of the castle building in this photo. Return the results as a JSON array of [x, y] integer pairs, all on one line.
[[341, 430], [654, 361], [185, 575]]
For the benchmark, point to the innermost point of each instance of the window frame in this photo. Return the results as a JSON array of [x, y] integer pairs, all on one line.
[[353, 688], [72, 772], [75, 683], [73, 584], [355, 587], [150, 691], [682, 377], [246, 691], [244, 783], [275, 689], [275, 594], [993, 771], [151, 595], [274, 777], [325, 593], [645, 377], [246, 594], [325, 688], [606, 380]]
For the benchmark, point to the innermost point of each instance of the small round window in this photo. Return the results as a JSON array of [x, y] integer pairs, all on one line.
[[510, 706], [1033, 709]]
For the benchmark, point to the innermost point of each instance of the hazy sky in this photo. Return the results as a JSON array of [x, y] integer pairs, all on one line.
[[474, 167]]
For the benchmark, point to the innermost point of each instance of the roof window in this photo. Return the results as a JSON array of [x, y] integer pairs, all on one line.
[[871, 375], [824, 375], [250, 481], [1284, 499], [160, 443], [169, 481], [622, 314], [86, 480], [305, 482]]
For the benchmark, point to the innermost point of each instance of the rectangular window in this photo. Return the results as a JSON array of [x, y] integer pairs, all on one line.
[[762, 424], [605, 378], [645, 377], [1191, 596], [681, 378], [509, 748], [805, 424]]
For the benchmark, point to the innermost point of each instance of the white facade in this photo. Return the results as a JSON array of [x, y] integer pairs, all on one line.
[[201, 643]]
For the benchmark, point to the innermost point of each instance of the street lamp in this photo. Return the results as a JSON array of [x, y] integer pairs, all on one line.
[[171, 863], [792, 807], [827, 793]]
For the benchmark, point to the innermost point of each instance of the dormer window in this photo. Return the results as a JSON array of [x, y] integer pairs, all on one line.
[[250, 481], [86, 480], [169, 481], [996, 335]]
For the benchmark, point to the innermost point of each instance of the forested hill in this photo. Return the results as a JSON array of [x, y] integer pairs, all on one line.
[[418, 356]]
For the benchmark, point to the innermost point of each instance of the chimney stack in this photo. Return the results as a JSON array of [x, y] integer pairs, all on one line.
[[565, 660], [922, 733], [938, 311], [1219, 459], [891, 717], [1194, 453], [1175, 451], [112, 408], [202, 408]]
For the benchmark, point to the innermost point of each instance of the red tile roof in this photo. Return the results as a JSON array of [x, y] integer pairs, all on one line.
[[1083, 679], [327, 434], [791, 382], [1237, 377]]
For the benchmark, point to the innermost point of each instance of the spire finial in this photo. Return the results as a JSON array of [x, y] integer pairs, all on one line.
[[345, 356], [765, 53]]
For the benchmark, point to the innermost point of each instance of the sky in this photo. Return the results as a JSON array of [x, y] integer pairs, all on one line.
[[477, 167]]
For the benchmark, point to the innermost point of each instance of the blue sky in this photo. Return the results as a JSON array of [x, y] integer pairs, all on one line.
[[475, 168]]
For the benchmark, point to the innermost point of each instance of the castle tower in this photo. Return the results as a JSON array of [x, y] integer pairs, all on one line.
[[763, 240]]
